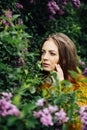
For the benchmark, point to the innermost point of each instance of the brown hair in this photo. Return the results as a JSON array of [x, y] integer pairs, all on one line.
[[67, 53]]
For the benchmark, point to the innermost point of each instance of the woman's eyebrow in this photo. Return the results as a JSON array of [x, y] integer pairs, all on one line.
[[52, 50], [49, 50]]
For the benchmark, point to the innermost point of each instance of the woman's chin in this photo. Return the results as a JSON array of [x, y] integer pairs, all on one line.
[[47, 69]]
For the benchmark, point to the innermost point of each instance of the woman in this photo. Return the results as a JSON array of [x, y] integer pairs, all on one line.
[[58, 54]]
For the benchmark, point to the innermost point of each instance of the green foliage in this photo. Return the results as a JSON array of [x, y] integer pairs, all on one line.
[[19, 53], [15, 58]]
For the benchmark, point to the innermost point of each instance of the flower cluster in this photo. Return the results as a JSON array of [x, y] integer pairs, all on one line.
[[58, 7], [76, 3], [50, 113], [85, 72], [7, 14], [53, 7], [83, 116], [82, 63], [6, 107], [19, 6], [64, 2], [83, 67]]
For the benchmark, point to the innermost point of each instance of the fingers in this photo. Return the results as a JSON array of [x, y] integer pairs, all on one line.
[[58, 67], [59, 71]]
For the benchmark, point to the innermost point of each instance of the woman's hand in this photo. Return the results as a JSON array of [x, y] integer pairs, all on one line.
[[59, 72]]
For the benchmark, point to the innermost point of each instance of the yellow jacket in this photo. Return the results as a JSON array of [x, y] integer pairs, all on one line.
[[78, 84]]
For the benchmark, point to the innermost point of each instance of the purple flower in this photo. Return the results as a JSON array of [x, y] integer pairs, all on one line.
[[4, 22], [52, 109], [8, 14], [82, 63], [76, 3], [46, 119], [40, 102], [20, 22], [85, 72], [6, 96], [53, 7], [18, 5], [61, 12], [44, 116], [64, 2], [13, 110], [46, 111], [83, 116], [61, 116], [6, 107], [37, 113]]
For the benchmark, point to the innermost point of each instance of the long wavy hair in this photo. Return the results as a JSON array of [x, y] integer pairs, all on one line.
[[67, 53]]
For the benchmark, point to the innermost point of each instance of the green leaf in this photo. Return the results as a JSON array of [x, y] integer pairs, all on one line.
[[15, 17], [74, 74], [16, 99], [65, 127], [32, 89]]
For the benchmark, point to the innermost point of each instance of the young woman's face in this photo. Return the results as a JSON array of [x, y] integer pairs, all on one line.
[[50, 55]]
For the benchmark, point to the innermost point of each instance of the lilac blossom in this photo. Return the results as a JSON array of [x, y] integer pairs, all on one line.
[[8, 14], [6, 96], [61, 12], [19, 6], [64, 2], [61, 116], [46, 119], [76, 3], [20, 22], [50, 113], [37, 113], [44, 116], [83, 116], [40, 102], [82, 63], [4, 22], [6, 107], [85, 72], [52, 109], [53, 7], [46, 111]]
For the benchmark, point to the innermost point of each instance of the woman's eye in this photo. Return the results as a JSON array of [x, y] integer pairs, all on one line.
[[42, 52], [53, 54]]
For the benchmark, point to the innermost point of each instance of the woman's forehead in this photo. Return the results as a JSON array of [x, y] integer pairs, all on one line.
[[50, 44]]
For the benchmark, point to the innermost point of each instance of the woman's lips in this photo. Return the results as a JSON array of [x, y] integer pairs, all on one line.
[[45, 64]]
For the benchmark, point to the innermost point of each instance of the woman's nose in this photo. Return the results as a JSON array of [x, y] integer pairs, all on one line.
[[46, 56]]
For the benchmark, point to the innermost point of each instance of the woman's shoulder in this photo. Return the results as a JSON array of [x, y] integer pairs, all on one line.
[[81, 79], [80, 76], [79, 82], [78, 79]]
